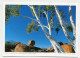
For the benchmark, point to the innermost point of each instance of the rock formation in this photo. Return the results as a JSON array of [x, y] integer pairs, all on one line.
[[17, 43], [35, 48], [60, 43], [21, 48], [31, 43], [67, 48], [51, 49]]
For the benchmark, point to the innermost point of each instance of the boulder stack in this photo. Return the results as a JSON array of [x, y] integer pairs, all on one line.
[[31, 43]]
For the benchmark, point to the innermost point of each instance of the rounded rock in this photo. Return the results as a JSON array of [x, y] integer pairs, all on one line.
[[21, 48], [31, 43]]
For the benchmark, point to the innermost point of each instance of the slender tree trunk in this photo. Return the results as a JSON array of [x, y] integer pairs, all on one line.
[[50, 33], [55, 44], [72, 23], [63, 27], [52, 40]]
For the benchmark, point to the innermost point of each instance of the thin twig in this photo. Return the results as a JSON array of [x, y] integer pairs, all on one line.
[[28, 18]]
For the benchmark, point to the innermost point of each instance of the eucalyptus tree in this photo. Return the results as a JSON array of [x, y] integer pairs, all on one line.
[[43, 12], [72, 41]]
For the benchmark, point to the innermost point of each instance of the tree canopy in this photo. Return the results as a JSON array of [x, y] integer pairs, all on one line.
[[40, 9]]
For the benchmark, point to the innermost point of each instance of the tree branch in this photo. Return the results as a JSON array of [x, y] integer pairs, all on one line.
[[44, 26], [48, 22], [28, 18], [46, 16]]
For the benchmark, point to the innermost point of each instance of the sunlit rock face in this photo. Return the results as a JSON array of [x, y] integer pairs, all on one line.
[[51, 49], [21, 48], [17, 43], [67, 48], [31, 43]]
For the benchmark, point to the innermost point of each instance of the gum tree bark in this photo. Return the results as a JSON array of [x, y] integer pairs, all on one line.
[[63, 27], [52, 40], [72, 23]]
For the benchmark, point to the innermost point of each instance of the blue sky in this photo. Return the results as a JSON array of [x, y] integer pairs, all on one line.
[[15, 29]]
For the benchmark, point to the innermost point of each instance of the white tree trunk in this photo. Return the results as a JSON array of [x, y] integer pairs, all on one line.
[[63, 27], [72, 23], [55, 44], [52, 40], [50, 33]]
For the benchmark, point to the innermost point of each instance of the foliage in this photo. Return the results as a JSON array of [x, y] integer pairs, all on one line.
[[62, 13], [69, 27], [7, 14], [8, 46], [32, 27], [11, 10], [58, 24]]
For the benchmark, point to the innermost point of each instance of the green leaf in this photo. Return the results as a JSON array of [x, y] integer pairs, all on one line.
[[11, 10], [62, 13], [69, 28], [58, 24], [48, 7], [32, 12], [40, 12], [28, 30], [39, 7]]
